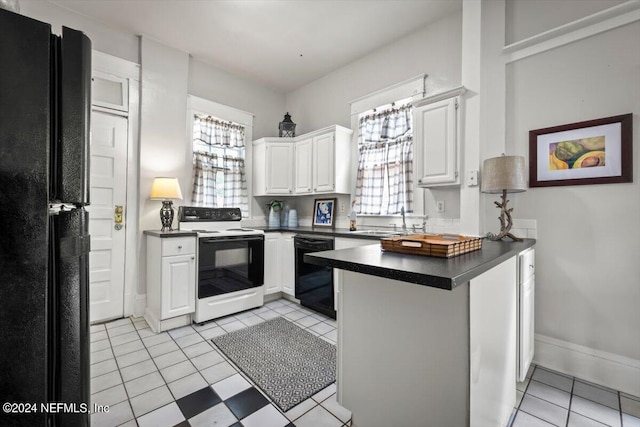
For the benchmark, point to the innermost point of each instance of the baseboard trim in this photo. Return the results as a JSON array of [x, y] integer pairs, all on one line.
[[140, 305], [597, 366]]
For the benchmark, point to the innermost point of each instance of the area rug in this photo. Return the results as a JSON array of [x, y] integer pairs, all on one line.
[[288, 363]]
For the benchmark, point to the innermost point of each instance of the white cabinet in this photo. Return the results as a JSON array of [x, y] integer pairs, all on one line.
[[178, 290], [272, 263], [316, 162], [324, 163], [303, 165], [288, 263], [171, 281], [436, 140], [525, 309], [273, 166], [279, 263]]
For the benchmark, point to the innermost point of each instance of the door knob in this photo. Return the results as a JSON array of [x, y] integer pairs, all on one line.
[[117, 217]]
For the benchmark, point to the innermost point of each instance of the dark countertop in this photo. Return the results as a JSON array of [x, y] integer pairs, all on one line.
[[335, 232], [423, 270], [173, 233]]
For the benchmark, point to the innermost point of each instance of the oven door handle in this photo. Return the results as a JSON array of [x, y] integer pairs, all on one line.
[[230, 239]]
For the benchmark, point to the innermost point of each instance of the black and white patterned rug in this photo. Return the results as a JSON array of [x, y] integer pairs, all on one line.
[[288, 363]]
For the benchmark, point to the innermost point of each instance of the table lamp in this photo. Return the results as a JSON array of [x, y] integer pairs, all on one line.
[[166, 189], [504, 174]]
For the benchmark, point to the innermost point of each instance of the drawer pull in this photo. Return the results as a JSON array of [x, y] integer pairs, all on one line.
[[180, 247]]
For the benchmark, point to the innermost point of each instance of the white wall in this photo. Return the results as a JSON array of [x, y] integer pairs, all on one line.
[[268, 106], [526, 18], [589, 236], [104, 39], [434, 49], [588, 246], [163, 129]]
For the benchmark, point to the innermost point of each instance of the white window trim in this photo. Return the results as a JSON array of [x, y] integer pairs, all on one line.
[[415, 88], [196, 105]]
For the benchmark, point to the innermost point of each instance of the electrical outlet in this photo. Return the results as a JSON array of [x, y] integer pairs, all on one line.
[[440, 206], [341, 207]]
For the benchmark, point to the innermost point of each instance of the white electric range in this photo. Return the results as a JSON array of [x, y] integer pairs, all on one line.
[[230, 261]]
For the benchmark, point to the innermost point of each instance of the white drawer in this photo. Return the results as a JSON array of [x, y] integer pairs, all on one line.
[[178, 246], [527, 264]]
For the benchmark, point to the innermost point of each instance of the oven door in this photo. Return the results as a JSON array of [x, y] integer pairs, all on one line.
[[229, 264]]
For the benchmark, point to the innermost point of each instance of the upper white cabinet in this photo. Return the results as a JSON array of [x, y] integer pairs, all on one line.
[[324, 162], [303, 177], [313, 163], [437, 139], [273, 170]]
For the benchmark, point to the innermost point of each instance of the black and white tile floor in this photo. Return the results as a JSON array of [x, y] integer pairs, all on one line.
[[547, 398], [178, 378]]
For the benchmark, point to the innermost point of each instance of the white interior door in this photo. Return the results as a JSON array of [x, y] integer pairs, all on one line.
[[108, 190]]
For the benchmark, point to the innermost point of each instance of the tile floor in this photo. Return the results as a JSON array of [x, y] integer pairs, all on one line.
[[178, 378], [547, 398]]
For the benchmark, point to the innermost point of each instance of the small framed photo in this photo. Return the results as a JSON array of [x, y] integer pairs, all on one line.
[[591, 152], [323, 210]]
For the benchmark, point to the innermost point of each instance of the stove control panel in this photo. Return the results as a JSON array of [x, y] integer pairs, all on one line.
[[198, 213]]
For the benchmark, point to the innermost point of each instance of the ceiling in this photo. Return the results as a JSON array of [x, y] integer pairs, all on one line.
[[283, 44]]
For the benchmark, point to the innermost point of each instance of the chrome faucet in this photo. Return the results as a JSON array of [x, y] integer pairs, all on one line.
[[404, 223]]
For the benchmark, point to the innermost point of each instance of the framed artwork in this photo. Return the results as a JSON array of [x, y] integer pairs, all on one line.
[[591, 152], [323, 210]]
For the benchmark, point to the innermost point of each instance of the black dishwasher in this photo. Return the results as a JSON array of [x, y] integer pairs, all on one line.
[[314, 284]]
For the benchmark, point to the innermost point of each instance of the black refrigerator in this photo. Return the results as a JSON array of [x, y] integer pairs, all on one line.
[[45, 102]]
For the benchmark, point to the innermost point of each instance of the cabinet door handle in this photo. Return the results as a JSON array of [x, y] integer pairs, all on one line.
[[192, 258]]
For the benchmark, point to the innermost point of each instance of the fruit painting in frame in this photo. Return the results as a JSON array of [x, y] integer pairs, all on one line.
[[591, 152]]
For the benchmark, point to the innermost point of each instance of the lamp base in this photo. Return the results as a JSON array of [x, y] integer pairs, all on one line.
[[506, 222], [166, 215]]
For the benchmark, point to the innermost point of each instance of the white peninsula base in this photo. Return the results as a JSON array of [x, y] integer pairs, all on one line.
[[417, 356]]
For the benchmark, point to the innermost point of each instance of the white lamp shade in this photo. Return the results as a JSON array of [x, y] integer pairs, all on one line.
[[503, 173], [165, 188]]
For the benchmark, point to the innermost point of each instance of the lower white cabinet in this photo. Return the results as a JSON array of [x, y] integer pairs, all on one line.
[[279, 263], [525, 309], [272, 268], [288, 263], [171, 281]]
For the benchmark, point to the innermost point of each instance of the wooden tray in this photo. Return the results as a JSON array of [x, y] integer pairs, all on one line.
[[438, 245]]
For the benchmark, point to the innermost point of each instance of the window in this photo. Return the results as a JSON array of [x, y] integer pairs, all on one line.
[[219, 178], [384, 180]]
